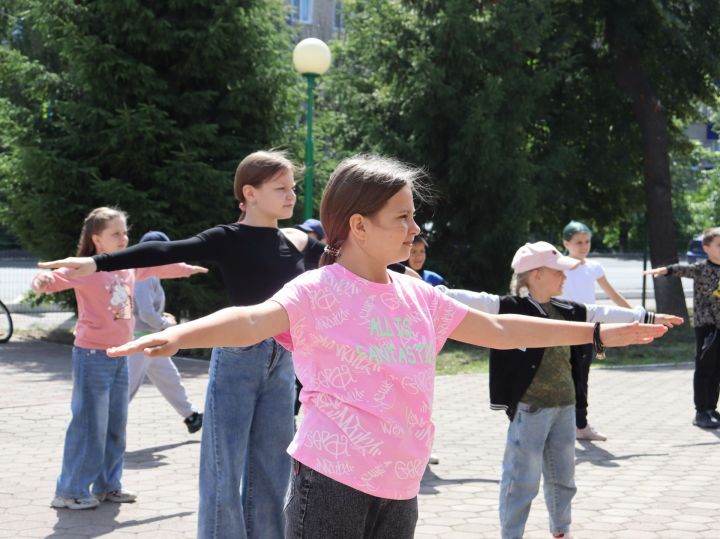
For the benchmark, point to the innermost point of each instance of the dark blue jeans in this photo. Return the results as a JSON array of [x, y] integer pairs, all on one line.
[[318, 506]]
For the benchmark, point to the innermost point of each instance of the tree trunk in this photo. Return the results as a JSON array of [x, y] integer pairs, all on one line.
[[650, 114]]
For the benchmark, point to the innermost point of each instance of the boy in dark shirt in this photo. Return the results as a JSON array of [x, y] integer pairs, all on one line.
[[706, 303]]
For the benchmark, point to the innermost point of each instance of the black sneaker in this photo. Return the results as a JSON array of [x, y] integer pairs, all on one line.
[[705, 420], [193, 422], [715, 414]]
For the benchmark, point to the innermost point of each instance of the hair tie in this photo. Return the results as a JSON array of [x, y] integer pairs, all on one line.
[[332, 251]]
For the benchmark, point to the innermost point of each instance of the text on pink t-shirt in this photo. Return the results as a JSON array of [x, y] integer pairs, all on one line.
[[365, 354]]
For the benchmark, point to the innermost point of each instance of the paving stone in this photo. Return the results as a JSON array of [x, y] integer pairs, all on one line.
[[648, 481]]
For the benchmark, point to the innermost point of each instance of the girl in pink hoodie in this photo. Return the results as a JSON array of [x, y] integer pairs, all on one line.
[[95, 439]]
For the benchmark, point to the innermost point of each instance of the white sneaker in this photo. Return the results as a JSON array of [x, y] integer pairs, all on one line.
[[65, 502], [589, 433], [117, 496]]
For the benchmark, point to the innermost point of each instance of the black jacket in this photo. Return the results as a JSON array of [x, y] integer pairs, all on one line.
[[512, 371]]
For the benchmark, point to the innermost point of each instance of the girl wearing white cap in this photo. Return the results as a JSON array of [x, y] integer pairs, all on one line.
[[535, 387]]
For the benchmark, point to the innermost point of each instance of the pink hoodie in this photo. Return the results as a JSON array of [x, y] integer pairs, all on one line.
[[105, 301]]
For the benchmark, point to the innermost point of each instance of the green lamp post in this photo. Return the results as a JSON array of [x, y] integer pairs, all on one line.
[[311, 59]]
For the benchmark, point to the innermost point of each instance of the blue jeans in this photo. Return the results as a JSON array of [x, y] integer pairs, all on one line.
[[539, 441], [248, 425], [95, 438]]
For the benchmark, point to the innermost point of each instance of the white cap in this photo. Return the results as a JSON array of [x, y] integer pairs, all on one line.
[[541, 254]]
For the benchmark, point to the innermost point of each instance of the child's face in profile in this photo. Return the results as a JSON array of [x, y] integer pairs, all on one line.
[[713, 250], [578, 246]]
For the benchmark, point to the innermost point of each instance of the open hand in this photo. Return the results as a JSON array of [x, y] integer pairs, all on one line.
[[668, 320], [198, 269], [154, 345], [80, 265], [635, 333], [656, 272]]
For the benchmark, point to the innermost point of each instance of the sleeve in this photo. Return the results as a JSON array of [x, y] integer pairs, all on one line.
[[607, 313], [145, 308], [203, 246], [60, 282], [598, 271], [397, 268], [169, 271], [447, 314], [292, 299], [313, 252], [683, 270], [480, 301]]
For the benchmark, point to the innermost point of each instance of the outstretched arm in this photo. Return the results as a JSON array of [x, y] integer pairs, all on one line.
[[234, 326], [616, 297], [509, 331]]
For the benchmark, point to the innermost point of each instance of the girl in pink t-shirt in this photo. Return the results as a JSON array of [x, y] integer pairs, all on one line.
[[364, 344], [95, 439]]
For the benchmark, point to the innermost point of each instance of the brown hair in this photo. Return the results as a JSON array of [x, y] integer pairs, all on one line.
[[96, 221], [259, 167], [362, 184], [710, 234]]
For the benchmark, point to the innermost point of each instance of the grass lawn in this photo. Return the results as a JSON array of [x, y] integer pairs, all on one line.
[[677, 346]]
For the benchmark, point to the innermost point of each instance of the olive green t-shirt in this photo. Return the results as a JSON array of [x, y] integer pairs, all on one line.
[[552, 385]]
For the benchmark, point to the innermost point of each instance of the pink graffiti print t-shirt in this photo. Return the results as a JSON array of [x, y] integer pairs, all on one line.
[[365, 354]]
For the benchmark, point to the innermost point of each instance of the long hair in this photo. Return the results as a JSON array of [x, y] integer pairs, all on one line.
[[362, 184], [96, 221]]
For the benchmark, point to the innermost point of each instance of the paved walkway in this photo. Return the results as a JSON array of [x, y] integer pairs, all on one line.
[[657, 476]]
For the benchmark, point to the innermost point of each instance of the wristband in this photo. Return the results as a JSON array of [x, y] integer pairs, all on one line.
[[597, 342]]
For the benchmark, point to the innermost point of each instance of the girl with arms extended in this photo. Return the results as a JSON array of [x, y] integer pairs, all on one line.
[[364, 342], [248, 421], [95, 439], [580, 287]]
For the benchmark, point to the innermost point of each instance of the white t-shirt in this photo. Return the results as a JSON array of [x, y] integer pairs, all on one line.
[[580, 283]]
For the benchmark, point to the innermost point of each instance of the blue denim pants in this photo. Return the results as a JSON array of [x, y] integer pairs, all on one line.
[[95, 439], [320, 507], [539, 441], [248, 425]]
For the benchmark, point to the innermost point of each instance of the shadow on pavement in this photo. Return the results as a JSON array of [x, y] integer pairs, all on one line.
[[151, 457], [53, 360], [601, 457], [99, 522], [430, 480]]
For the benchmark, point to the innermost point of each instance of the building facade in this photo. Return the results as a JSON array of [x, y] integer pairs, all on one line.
[[322, 19]]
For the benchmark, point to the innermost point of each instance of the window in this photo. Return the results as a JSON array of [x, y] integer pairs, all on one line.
[[338, 19], [302, 11]]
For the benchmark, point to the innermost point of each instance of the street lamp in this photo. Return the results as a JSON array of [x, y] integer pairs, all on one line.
[[311, 59]]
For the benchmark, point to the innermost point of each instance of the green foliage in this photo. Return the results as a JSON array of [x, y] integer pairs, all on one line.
[[452, 86], [513, 109], [147, 106], [696, 192]]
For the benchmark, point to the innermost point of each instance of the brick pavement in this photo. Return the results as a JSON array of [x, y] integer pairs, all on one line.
[[656, 477]]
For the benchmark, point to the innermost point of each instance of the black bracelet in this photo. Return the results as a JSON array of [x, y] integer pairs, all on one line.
[[597, 342]]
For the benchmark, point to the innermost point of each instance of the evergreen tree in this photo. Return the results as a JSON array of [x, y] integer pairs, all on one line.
[[145, 105]]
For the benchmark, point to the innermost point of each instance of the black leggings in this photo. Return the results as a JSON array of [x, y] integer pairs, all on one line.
[[580, 374], [706, 380]]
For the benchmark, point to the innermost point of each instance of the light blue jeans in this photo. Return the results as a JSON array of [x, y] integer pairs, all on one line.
[[539, 441], [95, 439], [248, 425]]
